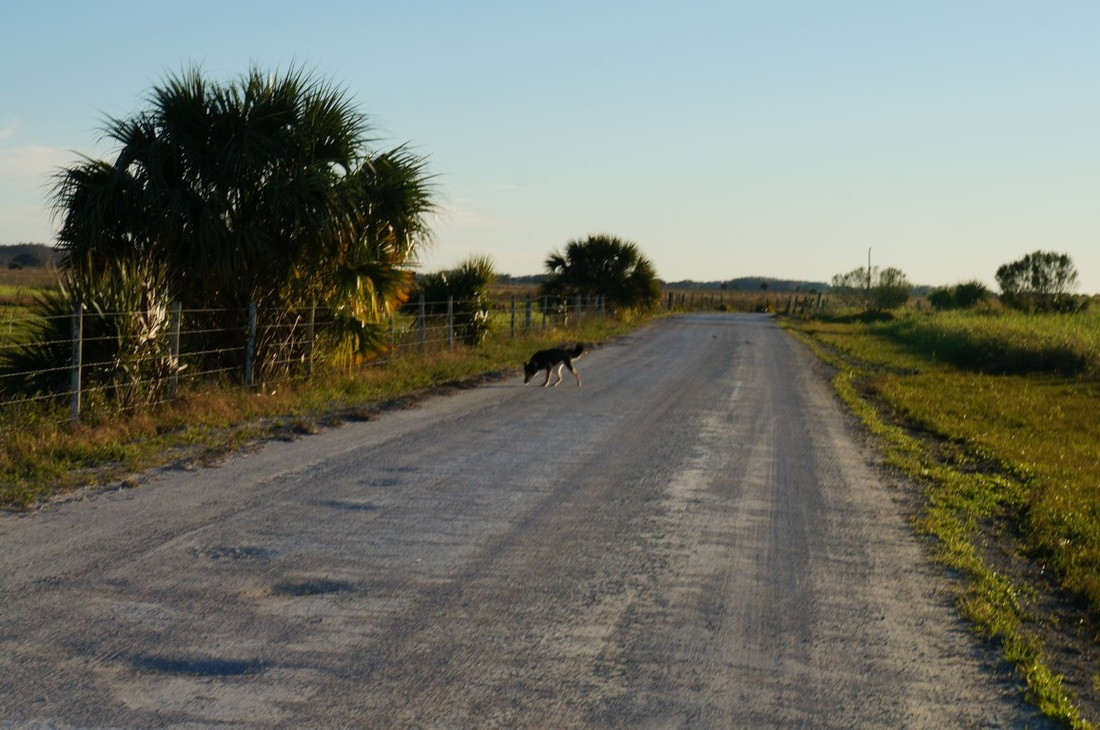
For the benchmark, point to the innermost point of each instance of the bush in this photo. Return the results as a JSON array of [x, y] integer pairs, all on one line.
[[942, 298], [468, 285], [126, 353], [961, 296], [971, 293]]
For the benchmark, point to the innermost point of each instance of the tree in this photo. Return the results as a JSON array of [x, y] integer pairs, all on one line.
[[259, 190], [891, 290], [1041, 281], [854, 283], [603, 265], [881, 289]]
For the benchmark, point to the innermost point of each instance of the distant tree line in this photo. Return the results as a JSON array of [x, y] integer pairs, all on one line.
[[1042, 281], [753, 284], [28, 256]]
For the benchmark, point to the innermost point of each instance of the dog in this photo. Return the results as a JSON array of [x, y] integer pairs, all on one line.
[[557, 357]]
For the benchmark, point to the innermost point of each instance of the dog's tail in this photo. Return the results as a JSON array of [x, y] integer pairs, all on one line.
[[576, 351]]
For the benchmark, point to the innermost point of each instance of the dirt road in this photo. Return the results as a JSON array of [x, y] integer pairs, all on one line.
[[692, 539]]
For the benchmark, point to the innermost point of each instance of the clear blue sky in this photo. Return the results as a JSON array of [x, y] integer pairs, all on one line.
[[725, 138]]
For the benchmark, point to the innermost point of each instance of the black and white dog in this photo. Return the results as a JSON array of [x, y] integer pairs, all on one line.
[[548, 360]]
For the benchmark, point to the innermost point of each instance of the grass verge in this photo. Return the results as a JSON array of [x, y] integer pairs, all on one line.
[[1004, 462], [41, 455]]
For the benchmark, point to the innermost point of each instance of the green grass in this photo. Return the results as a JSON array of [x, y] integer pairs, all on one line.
[[19, 288], [1010, 403], [1041, 428], [16, 324], [42, 455], [1003, 343]]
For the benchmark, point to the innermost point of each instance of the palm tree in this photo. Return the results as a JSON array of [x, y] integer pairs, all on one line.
[[603, 265], [261, 190], [368, 275], [468, 286]]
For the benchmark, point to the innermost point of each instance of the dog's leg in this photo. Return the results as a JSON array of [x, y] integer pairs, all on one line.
[[559, 374], [547, 381], [576, 375]]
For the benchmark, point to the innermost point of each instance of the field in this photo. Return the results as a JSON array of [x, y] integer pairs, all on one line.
[[18, 283], [996, 414], [18, 290]]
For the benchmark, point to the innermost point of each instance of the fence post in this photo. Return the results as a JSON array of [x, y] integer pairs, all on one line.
[[174, 350], [311, 339], [513, 315], [420, 325], [78, 356], [527, 314], [250, 352], [450, 323], [580, 304]]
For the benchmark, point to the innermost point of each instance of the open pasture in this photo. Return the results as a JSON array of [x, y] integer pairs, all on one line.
[[1018, 393]]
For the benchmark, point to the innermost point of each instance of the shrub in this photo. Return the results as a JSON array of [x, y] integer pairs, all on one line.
[[126, 351], [967, 295], [468, 285]]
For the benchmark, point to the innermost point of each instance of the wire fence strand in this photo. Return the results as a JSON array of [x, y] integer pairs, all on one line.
[[131, 359]]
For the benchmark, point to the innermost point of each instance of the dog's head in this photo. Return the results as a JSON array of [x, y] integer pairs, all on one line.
[[529, 370]]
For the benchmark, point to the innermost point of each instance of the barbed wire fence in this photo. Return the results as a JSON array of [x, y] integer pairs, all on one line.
[[133, 360]]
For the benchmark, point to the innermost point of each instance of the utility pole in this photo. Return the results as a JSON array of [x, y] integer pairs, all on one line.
[[868, 277]]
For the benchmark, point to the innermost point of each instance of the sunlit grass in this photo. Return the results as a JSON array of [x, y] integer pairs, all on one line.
[[1003, 343], [1023, 450], [19, 289], [1043, 428]]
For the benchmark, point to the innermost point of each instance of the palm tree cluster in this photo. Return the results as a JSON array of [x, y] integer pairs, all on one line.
[[263, 190], [467, 286], [603, 265]]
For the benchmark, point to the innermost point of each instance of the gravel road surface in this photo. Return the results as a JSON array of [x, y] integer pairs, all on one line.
[[695, 538]]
